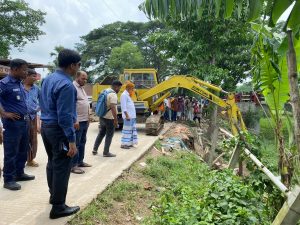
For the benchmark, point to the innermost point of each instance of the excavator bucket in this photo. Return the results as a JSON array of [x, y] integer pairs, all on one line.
[[154, 124]]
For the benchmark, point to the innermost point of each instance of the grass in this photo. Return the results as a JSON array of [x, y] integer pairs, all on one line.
[[178, 188], [268, 141], [121, 196]]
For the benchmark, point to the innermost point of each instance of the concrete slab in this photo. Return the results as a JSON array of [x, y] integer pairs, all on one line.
[[29, 206]]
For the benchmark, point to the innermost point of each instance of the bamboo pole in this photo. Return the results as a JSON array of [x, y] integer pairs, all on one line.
[[262, 167]]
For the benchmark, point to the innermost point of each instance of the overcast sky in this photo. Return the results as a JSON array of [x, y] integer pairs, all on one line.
[[67, 20]]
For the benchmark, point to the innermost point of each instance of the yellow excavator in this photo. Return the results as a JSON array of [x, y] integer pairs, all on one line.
[[150, 94]]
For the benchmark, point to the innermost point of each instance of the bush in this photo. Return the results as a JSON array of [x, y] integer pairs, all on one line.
[[267, 131], [196, 195]]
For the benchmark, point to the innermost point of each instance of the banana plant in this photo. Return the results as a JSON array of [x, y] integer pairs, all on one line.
[[270, 75], [251, 9], [268, 51]]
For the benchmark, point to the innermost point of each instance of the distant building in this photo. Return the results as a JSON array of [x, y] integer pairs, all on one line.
[[4, 67]]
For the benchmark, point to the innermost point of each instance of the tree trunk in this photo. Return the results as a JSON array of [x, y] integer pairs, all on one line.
[[284, 164], [294, 89]]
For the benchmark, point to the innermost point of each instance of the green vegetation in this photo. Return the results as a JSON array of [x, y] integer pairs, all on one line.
[[96, 47], [273, 54], [127, 56], [268, 143], [19, 25], [208, 49], [196, 195], [100, 209], [182, 190]]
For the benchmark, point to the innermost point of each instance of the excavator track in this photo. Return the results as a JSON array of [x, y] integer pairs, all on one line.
[[154, 124]]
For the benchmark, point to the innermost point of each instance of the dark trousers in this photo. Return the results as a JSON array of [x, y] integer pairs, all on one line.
[[80, 143], [16, 146], [107, 129], [166, 114], [59, 164], [174, 115], [197, 118]]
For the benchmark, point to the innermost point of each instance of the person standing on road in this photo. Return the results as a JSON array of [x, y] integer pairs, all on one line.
[[82, 123], [190, 109], [15, 118], [180, 108], [174, 107], [129, 132], [168, 113], [197, 111], [109, 121], [1, 142], [34, 107], [58, 107]]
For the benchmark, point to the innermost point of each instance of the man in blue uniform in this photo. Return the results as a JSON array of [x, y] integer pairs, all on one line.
[[15, 118], [58, 108]]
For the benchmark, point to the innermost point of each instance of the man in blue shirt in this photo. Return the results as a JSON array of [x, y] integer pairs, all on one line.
[[58, 115], [15, 118], [33, 93]]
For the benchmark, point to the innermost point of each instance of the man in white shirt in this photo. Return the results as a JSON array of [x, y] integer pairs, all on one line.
[[129, 132]]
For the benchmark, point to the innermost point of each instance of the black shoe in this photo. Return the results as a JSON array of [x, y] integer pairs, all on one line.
[[95, 152], [67, 211], [24, 177], [109, 155], [13, 186]]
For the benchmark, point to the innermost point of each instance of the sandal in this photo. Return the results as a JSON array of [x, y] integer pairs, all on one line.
[[84, 164], [95, 152], [77, 170], [32, 163]]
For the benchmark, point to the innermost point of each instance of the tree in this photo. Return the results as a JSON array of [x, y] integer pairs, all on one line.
[[54, 55], [97, 45], [19, 25], [250, 9], [208, 49], [263, 11], [266, 11], [127, 56], [265, 52]]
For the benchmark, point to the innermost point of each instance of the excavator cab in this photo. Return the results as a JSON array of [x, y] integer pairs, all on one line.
[[143, 79]]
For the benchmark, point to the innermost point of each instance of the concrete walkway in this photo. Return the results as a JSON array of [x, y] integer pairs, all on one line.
[[29, 206]]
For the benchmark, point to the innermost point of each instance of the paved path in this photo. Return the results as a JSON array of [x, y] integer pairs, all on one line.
[[29, 206]]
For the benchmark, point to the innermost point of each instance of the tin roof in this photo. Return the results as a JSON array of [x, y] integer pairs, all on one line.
[[6, 62]]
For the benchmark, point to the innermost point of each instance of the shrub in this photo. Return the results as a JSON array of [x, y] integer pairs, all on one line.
[[196, 195]]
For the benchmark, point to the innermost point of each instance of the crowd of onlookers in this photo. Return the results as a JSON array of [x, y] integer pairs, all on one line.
[[185, 108]]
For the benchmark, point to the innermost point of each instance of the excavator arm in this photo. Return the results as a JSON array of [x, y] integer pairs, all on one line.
[[201, 88]]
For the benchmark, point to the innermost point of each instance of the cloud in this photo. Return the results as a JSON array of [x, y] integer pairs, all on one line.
[[68, 20]]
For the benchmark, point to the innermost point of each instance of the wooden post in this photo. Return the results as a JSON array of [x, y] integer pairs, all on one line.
[[214, 135], [289, 214], [234, 157]]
